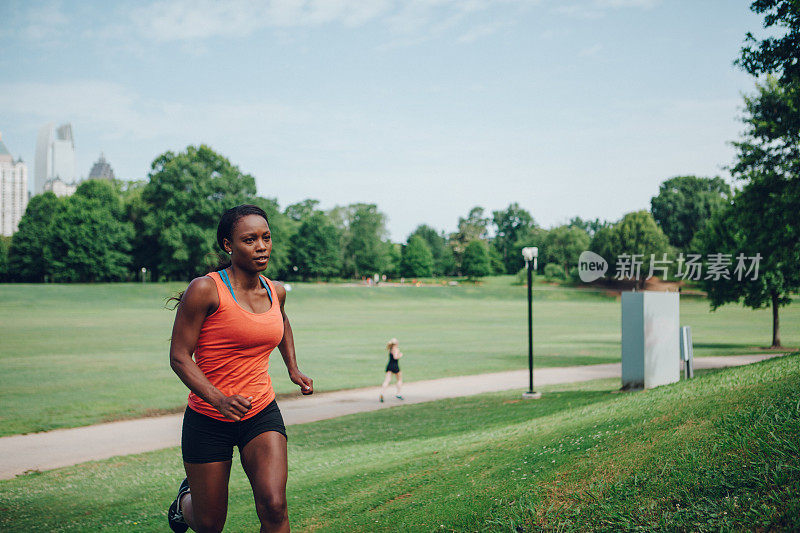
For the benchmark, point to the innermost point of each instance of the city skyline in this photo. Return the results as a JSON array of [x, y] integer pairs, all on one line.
[[423, 108]]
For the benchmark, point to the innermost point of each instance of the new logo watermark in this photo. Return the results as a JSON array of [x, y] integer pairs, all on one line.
[[592, 266]]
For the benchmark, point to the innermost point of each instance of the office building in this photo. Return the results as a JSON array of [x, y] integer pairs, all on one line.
[[55, 156], [13, 191], [101, 170]]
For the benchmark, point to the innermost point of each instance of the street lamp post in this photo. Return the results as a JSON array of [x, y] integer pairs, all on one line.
[[530, 255]]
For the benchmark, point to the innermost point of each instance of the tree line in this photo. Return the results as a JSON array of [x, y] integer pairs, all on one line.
[[110, 230]]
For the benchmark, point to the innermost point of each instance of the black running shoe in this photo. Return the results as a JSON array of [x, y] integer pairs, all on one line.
[[174, 513]]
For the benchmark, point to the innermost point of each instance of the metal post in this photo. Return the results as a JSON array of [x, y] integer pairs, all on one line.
[[531, 393], [530, 327], [687, 354]]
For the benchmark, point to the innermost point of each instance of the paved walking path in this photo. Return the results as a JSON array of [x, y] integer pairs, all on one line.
[[64, 447]]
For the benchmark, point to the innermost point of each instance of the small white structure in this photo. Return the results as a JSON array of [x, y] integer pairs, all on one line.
[[650, 339]]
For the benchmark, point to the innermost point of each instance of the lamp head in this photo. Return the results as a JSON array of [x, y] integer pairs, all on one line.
[[530, 253]]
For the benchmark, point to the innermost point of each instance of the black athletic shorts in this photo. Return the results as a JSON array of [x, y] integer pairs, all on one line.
[[208, 440]]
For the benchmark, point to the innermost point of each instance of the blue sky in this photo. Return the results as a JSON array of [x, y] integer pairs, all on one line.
[[426, 107]]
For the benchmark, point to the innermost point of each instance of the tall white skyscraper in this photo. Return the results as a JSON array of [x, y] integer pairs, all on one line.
[[55, 155], [13, 191]]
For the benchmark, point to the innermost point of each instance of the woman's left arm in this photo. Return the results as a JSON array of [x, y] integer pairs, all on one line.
[[286, 347]]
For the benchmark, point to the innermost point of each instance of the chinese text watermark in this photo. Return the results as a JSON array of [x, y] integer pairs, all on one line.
[[689, 267]]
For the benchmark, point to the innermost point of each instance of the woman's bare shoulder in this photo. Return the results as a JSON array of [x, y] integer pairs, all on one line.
[[201, 291]]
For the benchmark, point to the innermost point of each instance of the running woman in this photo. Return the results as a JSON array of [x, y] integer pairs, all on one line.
[[393, 367], [231, 320]]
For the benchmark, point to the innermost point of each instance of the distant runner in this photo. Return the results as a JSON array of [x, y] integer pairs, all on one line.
[[231, 320], [393, 367]]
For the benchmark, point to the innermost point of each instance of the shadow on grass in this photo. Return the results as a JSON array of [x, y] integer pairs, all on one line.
[[725, 346], [442, 418], [551, 361]]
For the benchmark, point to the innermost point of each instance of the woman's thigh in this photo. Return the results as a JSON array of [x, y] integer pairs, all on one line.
[[265, 463], [208, 486]]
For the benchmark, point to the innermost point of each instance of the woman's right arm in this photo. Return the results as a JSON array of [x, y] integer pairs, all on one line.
[[199, 300]]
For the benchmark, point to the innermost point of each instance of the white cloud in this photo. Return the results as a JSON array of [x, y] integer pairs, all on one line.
[[407, 20], [481, 31], [118, 112], [593, 9], [591, 51], [616, 4]]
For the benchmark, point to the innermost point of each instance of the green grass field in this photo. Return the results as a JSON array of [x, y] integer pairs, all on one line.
[[719, 452], [74, 355]]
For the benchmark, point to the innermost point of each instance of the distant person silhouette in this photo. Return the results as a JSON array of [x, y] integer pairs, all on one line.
[[393, 367]]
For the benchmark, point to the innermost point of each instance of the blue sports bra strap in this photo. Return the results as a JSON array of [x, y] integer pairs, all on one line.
[[224, 276], [266, 286]]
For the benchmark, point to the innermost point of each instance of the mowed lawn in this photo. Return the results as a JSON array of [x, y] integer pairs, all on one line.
[[717, 453], [73, 355]]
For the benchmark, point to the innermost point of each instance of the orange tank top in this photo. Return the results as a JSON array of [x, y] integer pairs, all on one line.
[[233, 351]]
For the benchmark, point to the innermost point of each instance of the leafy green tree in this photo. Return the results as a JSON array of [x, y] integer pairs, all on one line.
[[184, 199], [394, 258], [604, 244], [778, 54], [638, 234], [315, 248], [685, 203], [447, 264], [417, 259], [761, 220], [300, 211], [732, 232], [474, 226], [563, 245], [635, 238], [589, 226], [553, 271], [510, 224], [91, 240], [5, 244], [363, 233], [763, 217], [496, 264], [30, 257], [442, 257], [476, 260]]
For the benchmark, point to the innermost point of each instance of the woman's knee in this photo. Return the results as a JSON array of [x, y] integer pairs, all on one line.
[[272, 506], [209, 524]]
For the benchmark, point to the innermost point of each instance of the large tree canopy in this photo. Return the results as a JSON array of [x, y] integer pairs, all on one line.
[[510, 224], [778, 54], [186, 195], [437, 243], [29, 257], [417, 259], [763, 218], [630, 244], [476, 260], [563, 245], [685, 203], [364, 229], [315, 248], [91, 240]]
